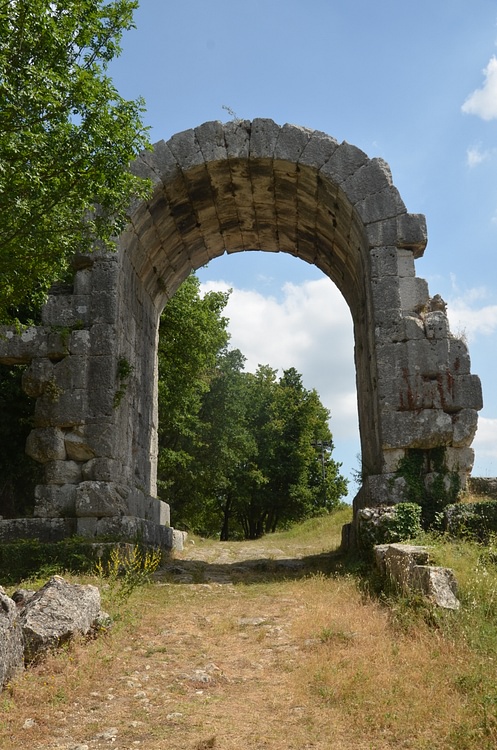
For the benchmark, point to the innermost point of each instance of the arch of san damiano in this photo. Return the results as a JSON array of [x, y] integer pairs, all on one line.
[[229, 188]]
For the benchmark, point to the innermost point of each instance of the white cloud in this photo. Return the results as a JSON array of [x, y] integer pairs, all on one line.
[[483, 101], [309, 329], [475, 156], [485, 446], [468, 318], [485, 442]]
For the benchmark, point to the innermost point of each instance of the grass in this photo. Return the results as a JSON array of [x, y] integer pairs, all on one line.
[[299, 661]]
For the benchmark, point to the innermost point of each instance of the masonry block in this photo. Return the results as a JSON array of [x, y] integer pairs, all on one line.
[[53, 501], [391, 459], [372, 177], [291, 142], [380, 206], [20, 348], [141, 167], [103, 307], [318, 150], [407, 566], [412, 233], [71, 373], [343, 162], [210, 137], [102, 470], [61, 408], [465, 424], [164, 164], [87, 527], [37, 377], [414, 294], [66, 310], [428, 357], [436, 325], [428, 428], [103, 339], [263, 137], [459, 459], [149, 508], [459, 360], [101, 438], [46, 444], [101, 499], [63, 472], [237, 139], [76, 445], [467, 392], [186, 149], [386, 293], [42, 529], [79, 343]]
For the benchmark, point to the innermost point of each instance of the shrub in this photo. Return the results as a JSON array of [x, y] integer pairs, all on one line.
[[388, 524], [128, 568], [27, 558], [429, 483], [472, 520]]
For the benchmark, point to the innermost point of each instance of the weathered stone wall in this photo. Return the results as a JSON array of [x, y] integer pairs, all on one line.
[[230, 188], [90, 368]]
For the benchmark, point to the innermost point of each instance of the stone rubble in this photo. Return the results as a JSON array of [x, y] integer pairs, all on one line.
[[407, 566], [31, 622]]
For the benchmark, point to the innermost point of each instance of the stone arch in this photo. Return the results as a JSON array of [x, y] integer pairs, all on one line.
[[230, 188]]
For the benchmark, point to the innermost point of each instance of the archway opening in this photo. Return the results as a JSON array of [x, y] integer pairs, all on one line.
[[286, 313], [267, 205], [293, 330]]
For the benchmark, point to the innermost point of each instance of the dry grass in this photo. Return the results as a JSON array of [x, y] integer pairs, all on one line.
[[270, 663]]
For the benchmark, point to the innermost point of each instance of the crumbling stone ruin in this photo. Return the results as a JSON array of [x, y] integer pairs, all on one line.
[[230, 188]]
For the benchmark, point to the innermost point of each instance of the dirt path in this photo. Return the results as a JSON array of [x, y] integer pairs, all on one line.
[[241, 646]]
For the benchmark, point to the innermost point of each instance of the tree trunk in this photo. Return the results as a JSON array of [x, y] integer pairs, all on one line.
[[226, 518]]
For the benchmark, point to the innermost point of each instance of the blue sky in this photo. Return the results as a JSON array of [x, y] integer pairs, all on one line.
[[414, 83]]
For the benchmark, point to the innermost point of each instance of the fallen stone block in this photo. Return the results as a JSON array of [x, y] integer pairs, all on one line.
[[438, 584], [407, 566], [56, 613], [11, 640]]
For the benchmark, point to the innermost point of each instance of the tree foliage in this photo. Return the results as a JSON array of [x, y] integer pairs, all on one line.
[[66, 139], [192, 331], [240, 454]]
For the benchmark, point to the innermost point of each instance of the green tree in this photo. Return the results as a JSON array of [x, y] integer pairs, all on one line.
[[261, 394], [192, 331], [66, 140], [292, 426], [240, 454], [229, 448], [264, 456]]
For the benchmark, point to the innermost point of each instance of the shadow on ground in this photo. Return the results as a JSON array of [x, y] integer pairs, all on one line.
[[250, 571]]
